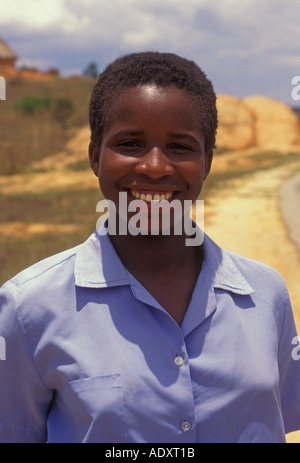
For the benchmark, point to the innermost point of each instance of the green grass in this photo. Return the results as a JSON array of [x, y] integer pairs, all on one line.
[[26, 138], [67, 207], [77, 208], [79, 165], [17, 254]]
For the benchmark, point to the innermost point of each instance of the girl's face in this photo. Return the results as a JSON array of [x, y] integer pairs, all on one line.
[[152, 147]]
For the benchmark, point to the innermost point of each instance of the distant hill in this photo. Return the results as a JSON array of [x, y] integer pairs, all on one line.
[[256, 121], [296, 110]]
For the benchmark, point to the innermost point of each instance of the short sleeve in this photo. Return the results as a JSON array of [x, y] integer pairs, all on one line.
[[24, 398], [289, 370]]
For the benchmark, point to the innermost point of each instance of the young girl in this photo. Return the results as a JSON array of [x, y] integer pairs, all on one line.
[[137, 337]]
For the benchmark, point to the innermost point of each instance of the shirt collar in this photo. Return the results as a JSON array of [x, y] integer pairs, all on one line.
[[97, 265], [223, 271]]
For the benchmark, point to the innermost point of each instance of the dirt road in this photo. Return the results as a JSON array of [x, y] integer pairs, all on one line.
[[247, 218]]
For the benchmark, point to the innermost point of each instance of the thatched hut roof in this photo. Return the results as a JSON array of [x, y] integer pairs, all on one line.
[[5, 51]]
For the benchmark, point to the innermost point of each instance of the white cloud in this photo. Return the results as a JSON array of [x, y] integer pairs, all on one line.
[[231, 39], [32, 13], [287, 60]]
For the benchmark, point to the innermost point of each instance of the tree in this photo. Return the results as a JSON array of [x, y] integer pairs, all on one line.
[[91, 71], [63, 110], [31, 104]]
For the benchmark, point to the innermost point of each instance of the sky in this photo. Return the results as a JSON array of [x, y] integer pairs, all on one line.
[[246, 47]]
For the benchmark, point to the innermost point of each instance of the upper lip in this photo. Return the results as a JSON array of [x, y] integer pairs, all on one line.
[[154, 188]]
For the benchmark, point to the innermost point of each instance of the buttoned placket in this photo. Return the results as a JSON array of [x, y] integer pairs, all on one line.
[[187, 424], [179, 358]]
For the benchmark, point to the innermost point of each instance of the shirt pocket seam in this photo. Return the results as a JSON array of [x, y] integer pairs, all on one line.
[[80, 389]]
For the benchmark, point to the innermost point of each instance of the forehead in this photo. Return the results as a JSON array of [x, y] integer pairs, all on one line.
[[151, 100]]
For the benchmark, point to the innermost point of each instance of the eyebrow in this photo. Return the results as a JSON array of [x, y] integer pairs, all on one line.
[[128, 132], [180, 136], [177, 135]]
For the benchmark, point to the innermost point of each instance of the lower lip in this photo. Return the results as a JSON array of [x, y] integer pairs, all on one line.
[[155, 206], [153, 200]]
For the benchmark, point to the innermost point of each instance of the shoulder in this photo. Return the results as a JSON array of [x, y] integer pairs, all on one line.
[[254, 269], [40, 283], [46, 268], [241, 274], [38, 300], [262, 277]]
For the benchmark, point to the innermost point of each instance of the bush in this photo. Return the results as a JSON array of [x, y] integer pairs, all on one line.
[[63, 110], [31, 104]]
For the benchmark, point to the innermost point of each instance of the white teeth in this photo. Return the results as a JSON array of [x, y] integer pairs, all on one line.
[[149, 197]]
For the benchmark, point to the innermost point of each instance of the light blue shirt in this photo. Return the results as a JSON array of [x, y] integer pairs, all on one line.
[[91, 356]]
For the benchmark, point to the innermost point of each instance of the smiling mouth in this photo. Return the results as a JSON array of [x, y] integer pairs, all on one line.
[[148, 197]]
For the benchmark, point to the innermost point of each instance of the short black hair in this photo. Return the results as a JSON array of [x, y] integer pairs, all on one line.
[[163, 70]]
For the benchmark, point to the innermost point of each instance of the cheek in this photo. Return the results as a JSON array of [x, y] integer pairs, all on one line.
[[112, 168], [194, 176], [109, 166], [194, 173], [106, 174]]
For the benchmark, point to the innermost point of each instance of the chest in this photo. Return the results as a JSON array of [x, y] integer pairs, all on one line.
[[173, 292], [121, 381]]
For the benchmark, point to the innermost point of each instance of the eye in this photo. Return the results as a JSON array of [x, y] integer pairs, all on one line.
[[180, 147], [129, 144]]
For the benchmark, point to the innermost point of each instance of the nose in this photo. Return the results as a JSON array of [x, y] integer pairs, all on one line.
[[155, 164]]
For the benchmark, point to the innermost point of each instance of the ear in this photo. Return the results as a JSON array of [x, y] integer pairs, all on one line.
[[94, 155], [208, 162]]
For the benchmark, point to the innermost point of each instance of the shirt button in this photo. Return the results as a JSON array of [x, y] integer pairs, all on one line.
[[178, 361], [186, 426]]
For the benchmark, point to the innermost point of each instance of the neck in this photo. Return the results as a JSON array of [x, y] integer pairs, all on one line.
[[155, 254]]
